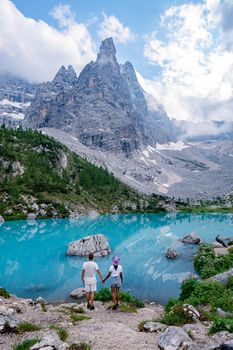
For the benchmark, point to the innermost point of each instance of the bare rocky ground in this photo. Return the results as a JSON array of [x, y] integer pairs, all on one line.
[[104, 329]]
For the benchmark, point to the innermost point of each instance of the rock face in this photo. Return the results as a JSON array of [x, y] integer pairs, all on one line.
[[98, 245], [105, 108], [192, 238], [175, 338]]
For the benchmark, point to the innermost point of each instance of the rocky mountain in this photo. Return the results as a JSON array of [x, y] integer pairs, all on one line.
[[16, 96], [105, 108], [105, 116]]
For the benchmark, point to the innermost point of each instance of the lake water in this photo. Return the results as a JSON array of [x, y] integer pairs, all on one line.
[[33, 259]]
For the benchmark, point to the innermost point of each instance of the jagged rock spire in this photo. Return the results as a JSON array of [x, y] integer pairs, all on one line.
[[67, 76], [107, 53]]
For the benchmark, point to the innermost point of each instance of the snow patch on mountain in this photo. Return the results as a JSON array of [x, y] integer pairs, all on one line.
[[174, 146]]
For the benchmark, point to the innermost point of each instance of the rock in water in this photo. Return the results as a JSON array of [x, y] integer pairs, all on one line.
[[1, 219], [175, 338], [192, 238], [98, 245], [78, 293], [171, 253]]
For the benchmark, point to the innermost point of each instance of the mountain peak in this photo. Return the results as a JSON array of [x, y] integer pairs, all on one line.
[[65, 76], [107, 53]]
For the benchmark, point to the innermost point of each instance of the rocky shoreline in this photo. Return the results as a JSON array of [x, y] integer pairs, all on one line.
[[101, 329]]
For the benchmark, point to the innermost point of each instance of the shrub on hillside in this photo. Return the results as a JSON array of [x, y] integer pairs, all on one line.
[[208, 265]]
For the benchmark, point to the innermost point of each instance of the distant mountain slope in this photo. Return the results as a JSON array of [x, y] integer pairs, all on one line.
[[15, 98], [41, 176], [184, 170]]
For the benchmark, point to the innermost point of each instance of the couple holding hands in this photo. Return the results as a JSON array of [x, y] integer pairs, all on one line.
[[89, 279]]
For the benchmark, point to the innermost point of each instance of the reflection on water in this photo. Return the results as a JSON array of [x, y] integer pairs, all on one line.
[[33, 259]]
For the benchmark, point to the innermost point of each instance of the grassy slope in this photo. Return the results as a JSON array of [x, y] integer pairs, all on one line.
[[79, 183]]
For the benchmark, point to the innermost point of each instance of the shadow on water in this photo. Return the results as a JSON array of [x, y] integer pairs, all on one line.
[[33, 259]]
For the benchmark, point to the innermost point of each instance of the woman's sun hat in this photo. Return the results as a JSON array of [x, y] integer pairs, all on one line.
[[116, 260]]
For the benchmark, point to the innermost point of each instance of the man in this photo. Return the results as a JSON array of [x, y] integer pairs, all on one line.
[[89, 279]]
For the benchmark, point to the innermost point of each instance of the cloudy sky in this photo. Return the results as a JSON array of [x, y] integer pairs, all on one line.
[[181, 50]]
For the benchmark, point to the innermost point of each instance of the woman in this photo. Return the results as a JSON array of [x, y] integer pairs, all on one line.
[[116, 281]]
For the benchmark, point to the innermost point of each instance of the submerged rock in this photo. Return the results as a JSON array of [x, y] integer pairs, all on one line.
[[192, 238], [98, 245]]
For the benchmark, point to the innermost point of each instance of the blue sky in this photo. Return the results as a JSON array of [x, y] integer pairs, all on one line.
[[134, 14], [182, 51]]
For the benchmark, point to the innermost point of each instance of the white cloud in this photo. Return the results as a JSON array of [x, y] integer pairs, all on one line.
[[64, 15], [195, 58], [112, 27], [34, 50]]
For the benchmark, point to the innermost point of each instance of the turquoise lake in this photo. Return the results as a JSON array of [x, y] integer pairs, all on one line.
[[33, 259]]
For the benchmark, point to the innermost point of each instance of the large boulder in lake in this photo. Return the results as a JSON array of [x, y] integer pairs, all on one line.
[[192, 238], [98, 245]]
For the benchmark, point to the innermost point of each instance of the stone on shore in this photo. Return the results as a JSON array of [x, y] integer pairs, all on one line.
[[171, 253], [98, 245], [31, 216], [153, 327], [174, 338], [222, 277], [49, 341], [78, 293], [192, 238]]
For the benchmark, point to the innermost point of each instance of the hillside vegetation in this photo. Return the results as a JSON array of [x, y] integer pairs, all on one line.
[[40, 175]]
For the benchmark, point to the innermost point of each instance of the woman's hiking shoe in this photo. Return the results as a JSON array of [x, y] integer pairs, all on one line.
[[114, 307], [92, 307]]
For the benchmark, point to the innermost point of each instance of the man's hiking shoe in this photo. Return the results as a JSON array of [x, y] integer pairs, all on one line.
[[92, 307], [88, 306]]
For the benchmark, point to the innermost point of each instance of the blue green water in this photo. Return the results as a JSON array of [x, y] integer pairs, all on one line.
[[33, 259]]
